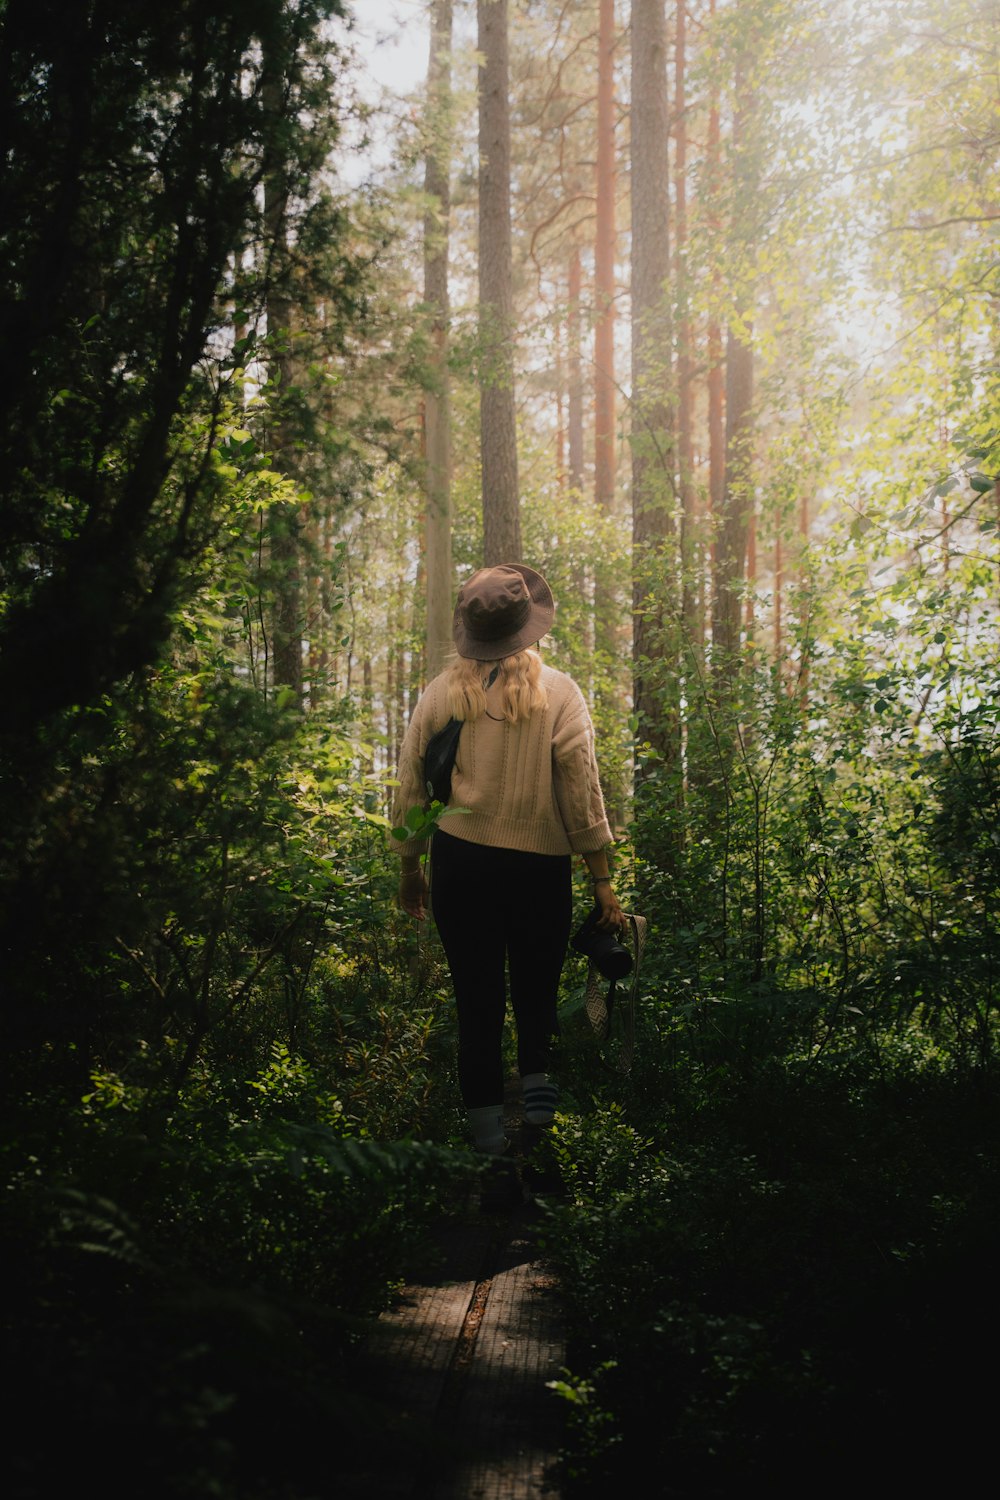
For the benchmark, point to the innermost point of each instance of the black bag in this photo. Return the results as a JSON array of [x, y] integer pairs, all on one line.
[[439, 758]]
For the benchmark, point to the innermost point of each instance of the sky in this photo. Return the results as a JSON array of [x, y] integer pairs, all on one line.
[[392, 36], [391, 39]]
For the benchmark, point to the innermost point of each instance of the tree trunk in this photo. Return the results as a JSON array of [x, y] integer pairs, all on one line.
[[804, 599], [716, 377], [560, 383], [389, 706], [654, 580], [690, 539], [283, 520], [437, 399], [402, 631], [751, 574], [737, 499], [779, 583], [604, 265], [575, 375], [716, 427], [501, 515], [733, 527], [608, 615]]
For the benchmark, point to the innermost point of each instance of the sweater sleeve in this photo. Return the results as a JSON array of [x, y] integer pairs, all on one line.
[[575, 777], [410, 790]]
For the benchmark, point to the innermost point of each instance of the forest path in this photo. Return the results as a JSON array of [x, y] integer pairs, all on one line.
[[462, 1361]]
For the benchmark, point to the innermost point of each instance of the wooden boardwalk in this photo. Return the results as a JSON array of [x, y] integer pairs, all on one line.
[[462, 1362]]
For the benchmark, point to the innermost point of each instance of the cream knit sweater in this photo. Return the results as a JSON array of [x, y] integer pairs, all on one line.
[[532, 785]]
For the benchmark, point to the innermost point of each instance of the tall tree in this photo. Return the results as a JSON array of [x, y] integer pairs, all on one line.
[[714, 354], [501, 500], [437, 397], [733, 528], [604, 264], [132, 286], [127, 129], [284, 519], [779, 584], [654, 576], [690, 561], [574, 373], [608, 631]]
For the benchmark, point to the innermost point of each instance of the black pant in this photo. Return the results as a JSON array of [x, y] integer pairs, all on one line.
[[495, 907]]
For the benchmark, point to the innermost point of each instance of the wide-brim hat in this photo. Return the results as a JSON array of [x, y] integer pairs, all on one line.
[[501, 610]]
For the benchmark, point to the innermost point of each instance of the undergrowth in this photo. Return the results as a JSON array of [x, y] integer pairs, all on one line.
[[782, 1278]]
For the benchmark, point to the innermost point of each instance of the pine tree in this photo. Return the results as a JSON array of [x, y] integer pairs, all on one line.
[[655, 582], [437, 397], [500, 495]]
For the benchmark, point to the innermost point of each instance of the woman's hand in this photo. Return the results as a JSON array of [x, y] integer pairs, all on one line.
[[413, 893], [612, 918]]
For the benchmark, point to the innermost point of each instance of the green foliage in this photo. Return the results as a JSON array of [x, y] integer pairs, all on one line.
[[225, 1055], [132, 190], [420, 822], [766, 1276], [590, 1428], [220, 1062], [192, 1288]]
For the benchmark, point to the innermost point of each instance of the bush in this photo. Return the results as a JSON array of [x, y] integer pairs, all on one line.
[[190, 1290], [769, 1283]]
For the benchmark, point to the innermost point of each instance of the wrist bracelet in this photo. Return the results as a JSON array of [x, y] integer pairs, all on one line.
[[602, 880]]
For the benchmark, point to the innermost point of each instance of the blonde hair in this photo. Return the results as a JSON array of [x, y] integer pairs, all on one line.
[[520, 681]]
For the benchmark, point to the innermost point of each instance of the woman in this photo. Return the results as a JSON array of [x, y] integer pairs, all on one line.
[[527, 773]]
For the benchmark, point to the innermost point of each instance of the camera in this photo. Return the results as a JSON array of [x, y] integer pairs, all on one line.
[[605, 952]]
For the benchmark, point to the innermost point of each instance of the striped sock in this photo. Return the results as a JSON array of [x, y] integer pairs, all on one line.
[[540, 1098], [486, 1124]]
